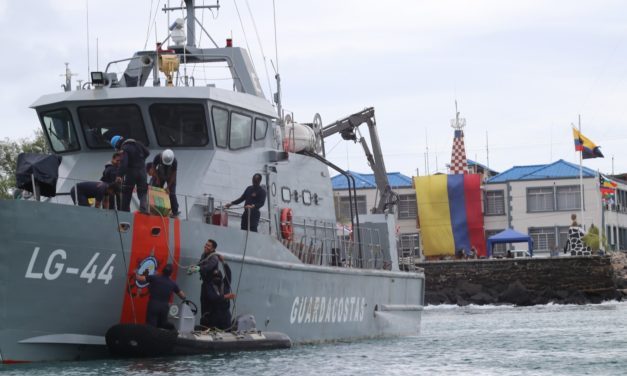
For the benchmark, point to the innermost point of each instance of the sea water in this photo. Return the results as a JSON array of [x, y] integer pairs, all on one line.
[[473, 340]]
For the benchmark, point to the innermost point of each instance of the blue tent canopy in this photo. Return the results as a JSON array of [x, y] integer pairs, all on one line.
[[509, 236]]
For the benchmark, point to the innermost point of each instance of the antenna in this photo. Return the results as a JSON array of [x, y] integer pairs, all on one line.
[[277, 75], [427, 153], [87, 31], [487, 150], [458, 123]]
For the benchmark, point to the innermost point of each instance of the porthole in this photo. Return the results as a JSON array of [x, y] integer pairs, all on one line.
[[306, 197], [273, 190], [286, 194]]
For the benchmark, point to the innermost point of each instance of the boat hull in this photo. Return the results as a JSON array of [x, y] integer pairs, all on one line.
[[67, 275]]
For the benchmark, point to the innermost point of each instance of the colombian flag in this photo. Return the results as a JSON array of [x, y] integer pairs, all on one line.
[[451, 217], [585, 146]]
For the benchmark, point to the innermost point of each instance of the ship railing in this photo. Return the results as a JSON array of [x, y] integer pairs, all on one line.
[[314, 241]]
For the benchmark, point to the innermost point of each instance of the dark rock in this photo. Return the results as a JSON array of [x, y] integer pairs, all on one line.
[[482, 298], [576, 297], [462, 302], [516, 293], [432, 297], [469, 288]]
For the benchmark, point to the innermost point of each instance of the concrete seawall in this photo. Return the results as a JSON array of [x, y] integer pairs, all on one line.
[[528, 281]]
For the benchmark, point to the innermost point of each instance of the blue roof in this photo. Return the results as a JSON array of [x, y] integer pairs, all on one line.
[[556, 170], [396, 179]]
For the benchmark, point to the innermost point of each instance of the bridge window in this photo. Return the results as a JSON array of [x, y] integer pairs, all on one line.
[[179, 124], [261, 128], [241, 131], [220, 125], [101, 123], [60, 130]]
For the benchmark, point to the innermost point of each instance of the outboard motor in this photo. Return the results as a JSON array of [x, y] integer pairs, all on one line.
[[246, 323], [186, 320]]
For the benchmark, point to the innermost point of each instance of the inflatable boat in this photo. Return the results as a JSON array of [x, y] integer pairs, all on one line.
[[141, 340]]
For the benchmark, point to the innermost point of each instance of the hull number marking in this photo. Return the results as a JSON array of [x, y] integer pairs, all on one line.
[[55, 266]]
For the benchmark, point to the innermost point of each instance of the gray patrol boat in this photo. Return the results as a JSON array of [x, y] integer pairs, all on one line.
[[67, 272]]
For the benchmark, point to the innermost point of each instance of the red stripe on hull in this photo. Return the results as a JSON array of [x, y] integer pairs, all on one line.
[[145, 247]]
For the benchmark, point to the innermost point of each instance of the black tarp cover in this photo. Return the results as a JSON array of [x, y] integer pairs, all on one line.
[[44, 167]]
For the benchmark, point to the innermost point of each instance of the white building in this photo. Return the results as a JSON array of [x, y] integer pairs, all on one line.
[[540, 199], [367, 194]]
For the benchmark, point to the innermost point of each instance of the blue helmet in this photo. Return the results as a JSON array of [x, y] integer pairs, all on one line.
[[115, 139]]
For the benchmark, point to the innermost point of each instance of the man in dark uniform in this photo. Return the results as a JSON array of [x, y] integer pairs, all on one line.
[[219, 295], [254, 198], [161, 288], [97, 190], [108, 176], [208, 263], [132, 172], [165, 166]]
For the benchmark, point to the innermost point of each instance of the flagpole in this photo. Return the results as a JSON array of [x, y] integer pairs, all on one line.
[[602, 229], [581, 177]]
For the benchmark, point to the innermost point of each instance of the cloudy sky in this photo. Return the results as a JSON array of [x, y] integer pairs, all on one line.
[[521, 71]]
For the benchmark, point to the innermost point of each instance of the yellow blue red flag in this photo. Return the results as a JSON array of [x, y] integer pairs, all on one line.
[[587, 148], [451, 218]]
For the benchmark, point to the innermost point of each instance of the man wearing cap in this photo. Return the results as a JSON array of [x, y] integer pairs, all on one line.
[[160, 288], [132, 172], [165, 165]]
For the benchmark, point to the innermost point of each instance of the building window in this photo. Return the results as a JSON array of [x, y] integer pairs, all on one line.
[[495, 203], [410, 245], [406, 206], [540, 199], [543, 238], [498, 250], [568, 197], [562, 237], [344, 212]]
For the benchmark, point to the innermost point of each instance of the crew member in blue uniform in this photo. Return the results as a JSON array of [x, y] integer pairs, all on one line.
[[132, 172], [254, 198], [160, 288], [208, 263], [165, 166], [97, 190], [108, 176]]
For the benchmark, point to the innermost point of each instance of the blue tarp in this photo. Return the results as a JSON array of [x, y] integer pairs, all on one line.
[[509, 236]]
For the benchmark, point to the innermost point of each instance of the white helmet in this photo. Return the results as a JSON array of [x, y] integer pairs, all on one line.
[[167, 157]]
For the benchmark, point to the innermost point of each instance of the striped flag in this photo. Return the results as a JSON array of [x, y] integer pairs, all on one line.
[[587, 148], [608, 189], [451, 217]]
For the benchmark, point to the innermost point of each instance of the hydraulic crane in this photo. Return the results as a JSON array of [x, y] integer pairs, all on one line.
[[348, 128]]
